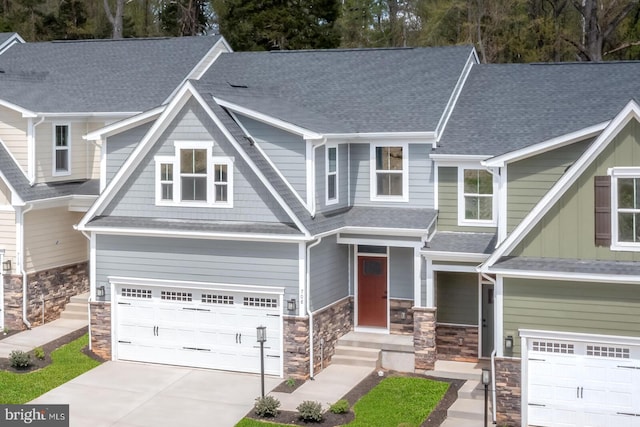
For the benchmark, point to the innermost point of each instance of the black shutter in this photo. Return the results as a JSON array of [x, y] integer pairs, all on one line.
[[602, 188]]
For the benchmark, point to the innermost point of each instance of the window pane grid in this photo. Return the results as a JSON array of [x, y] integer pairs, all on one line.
[[61, 148], [628, 210], [477, 194]]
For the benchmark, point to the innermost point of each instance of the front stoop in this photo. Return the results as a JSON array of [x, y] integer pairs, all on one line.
[[76, 309], [356, 356]]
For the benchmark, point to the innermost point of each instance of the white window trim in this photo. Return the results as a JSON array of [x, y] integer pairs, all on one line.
[[211, 162], [373, 173], [56, 149], [327, 173], [615, 173], [462, 221]]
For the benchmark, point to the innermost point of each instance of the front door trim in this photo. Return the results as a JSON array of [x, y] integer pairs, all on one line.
[[356, 260]]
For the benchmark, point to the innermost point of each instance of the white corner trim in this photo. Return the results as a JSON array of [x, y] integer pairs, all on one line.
[[630, 111]]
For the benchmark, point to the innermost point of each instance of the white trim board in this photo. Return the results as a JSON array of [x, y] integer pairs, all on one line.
[[566, 277]]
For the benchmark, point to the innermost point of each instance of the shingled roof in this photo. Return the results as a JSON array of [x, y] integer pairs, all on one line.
[[506, 107], [127, 75], [344, 90]]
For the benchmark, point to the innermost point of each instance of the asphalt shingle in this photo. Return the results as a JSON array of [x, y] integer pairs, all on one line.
[[474, 243], [585, 266]]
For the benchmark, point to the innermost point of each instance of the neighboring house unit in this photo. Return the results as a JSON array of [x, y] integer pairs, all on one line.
[[489, 211], [51, 95]]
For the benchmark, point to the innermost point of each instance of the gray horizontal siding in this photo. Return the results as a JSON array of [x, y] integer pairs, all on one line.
[[448, 203], [199, 260], [252, 201], [401, 273], [286, 150], [457, 298], [420, 176], [530, 179], [120, 146], [596, 308], [329, 272], [343, 179]]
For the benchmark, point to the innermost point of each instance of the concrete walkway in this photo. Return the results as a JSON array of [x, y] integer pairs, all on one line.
[[328, 386], [40, 335]]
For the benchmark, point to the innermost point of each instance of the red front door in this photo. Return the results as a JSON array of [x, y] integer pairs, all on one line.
[[372, 291]]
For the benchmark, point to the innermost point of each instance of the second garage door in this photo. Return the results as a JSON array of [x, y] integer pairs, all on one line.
[[198, 327]]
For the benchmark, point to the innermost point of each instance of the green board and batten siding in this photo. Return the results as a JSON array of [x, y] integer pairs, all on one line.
[[567, 230], [595, 308], [457, 298], [530, 179], [448, 203]]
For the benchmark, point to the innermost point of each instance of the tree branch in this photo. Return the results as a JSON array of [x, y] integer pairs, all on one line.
[[621, 47], [107, 10]]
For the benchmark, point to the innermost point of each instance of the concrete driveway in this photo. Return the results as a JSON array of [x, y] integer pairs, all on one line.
[[127, 394]]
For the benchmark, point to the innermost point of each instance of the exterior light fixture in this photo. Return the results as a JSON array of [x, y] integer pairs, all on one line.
[[261, 333], [508, 342], [100, 291], [486, 380], [291, 304], [6, 265]]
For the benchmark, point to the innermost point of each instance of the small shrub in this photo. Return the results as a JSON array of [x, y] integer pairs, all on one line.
[[340, 407], [19, 359], [38, 353], [266, 406], [291, 382], [310, 411]]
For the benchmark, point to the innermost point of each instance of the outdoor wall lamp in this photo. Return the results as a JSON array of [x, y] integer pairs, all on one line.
[[6, 265], [100, 291], [291, 304], [508, 342]]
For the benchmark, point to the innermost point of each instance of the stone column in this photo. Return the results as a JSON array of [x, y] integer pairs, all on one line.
[[508, 392], [296, 347], [100, 328], [424, 338]]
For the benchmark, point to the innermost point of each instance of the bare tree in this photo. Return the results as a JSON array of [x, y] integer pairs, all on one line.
[[115, 18]]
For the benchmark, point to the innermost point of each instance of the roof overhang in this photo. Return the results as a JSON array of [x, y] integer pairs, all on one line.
[[454, 256], [126, 124], [563, 276], [457, 159]]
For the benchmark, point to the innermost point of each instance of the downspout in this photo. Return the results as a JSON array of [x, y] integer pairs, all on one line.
[[32, 153], [22, 270], [316, 243], [493, 363], [84, 233], [313, 177]]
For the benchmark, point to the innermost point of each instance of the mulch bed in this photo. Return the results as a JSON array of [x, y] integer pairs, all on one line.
[[5, 363], [437, 416]]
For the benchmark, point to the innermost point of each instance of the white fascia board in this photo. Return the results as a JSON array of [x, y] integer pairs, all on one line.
[[563, 276], [25, 113], [548, 145], [629, 112], [454, 256], [16, 200], [457, 90], [114, 115], [123, 125], [457, 159], [139, 152], [400, 232], [246, 158], [142, 232], [579, 336], [272, 121], [14, 39], [366, 137]]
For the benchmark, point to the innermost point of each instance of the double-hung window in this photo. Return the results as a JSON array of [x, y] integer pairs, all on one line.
[[331, 166], [476, 201], [625, 208], [61, 149], [193, 177], [389, 172]]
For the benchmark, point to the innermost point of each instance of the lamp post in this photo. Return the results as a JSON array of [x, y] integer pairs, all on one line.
[[261, 332], [486, 380]]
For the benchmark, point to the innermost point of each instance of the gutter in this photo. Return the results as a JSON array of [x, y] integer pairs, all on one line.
[[316, 243], [25, 278]]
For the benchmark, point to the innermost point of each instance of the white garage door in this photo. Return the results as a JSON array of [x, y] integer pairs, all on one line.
[[198, 327], [582, 383]]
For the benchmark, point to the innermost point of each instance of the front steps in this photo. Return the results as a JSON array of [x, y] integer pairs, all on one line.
[[76, 308], [356, 356], [393, 352]]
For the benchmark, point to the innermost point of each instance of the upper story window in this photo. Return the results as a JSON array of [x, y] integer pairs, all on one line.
[[476, 201], [621, 191], [389, 172], [331, 166], [61, 150], [194, 177]]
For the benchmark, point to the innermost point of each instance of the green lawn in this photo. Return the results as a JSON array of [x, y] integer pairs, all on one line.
[[394, 401], [67, 362]]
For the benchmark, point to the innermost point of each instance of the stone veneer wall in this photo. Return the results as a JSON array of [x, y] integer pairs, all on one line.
[[100, 313], [329, 325], [424, 338], [457, 343], [57, 285], [508, 392], [296, 347], [399, 308]]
